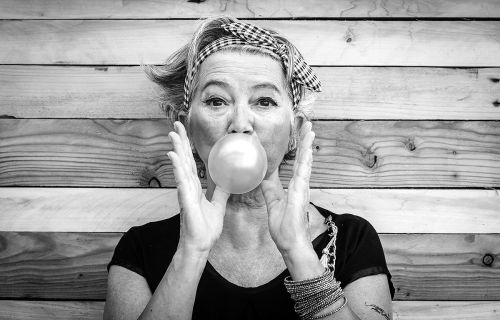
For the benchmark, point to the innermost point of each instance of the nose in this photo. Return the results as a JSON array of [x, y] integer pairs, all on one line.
[[241, 120]]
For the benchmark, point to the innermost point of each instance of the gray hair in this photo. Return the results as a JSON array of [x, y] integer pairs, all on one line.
[[171, 75]]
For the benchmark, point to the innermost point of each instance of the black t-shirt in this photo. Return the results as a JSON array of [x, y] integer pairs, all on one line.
[[148, 250]]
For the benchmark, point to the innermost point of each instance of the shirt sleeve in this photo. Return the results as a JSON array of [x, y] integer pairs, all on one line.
[[366, 256], [128, 253]]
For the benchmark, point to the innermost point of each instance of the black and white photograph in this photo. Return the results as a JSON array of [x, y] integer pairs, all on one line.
[[250, 159]]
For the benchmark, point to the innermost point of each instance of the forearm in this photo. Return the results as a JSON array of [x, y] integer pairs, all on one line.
[[174, 297], [303, 263]]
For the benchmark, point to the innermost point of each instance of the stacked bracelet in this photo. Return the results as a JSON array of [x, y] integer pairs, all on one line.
[[313, 295]]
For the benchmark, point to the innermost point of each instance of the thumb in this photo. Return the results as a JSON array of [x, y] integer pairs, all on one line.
[[272, 190], [219, 197]]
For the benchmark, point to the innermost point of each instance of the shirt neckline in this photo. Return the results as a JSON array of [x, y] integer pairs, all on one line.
[[270, 284]]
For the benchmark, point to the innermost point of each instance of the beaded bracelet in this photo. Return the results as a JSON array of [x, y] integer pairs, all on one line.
[[331, 312], [313, 295]]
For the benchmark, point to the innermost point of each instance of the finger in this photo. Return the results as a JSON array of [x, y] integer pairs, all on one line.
[[303, 144], [303, 165], [187, 146], [179, 176], [306, 127], [305, 161], [178, 149], [219, 198]]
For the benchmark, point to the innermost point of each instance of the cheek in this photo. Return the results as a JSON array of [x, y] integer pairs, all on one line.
[[277, 145], [204, 132]]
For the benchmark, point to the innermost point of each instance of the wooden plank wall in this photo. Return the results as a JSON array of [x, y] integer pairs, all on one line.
[[408, 136]]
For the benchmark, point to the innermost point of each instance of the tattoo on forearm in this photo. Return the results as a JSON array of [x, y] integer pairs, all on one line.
[[379, 310]]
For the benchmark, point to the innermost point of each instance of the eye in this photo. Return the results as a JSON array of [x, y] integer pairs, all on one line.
[[267, 102], [215, 102]]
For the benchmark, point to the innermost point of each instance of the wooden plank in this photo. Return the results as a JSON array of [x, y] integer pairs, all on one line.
[[51, 310], [425, 266], [132, 153], [116, 210], [402, 310], [136, 9], [348, 93], [72, 266], [354, 43], [444, 310]]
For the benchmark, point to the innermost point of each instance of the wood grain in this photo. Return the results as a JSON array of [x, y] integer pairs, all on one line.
[[443, 310], [73, 265], [402, 310], [353, 43], [132, 153], [136, 9], [347, 93], [117, 209], [51, 310]]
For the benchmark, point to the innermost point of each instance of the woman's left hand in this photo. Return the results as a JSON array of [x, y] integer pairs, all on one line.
[[288, 223]]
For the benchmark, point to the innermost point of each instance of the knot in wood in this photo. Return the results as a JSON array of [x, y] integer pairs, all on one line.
[[411, 146], [370, 159], [488, 259], [154, 183]]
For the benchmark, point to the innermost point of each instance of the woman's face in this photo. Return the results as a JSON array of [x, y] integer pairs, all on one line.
[[240, 92]]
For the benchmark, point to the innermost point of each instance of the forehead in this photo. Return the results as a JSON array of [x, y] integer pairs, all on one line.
[[245, 67]]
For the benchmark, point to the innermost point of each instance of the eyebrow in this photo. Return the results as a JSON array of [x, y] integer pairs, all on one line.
[[263, 85]]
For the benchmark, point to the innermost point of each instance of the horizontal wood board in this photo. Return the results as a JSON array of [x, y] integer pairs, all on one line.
[[322, 42], [427, 263], [402, 310], [136, 9], [117, 209], [347, 93], [132, 153], [73, 265]]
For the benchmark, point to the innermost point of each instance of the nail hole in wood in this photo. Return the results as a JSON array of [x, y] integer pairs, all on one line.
[[488, 259]]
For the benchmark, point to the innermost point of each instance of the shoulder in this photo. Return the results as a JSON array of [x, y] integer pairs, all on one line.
[[345, 222], [158, 226], [162, 231]]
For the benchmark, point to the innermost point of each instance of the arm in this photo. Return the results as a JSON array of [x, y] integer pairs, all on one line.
[[368, 298], [288, 228], [174, 297], [201, 224], [129, 296]]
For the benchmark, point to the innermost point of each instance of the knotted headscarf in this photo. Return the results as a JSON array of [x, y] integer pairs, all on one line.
[[247, 34]]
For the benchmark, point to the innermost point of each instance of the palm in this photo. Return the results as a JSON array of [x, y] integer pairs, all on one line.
[[287, 210], [201, 220]]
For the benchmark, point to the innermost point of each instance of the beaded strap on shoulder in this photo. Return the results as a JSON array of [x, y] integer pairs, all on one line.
[[329, 252]]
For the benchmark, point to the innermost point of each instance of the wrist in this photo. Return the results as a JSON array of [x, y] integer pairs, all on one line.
[[194, 248], [188, 253], [302, 262]]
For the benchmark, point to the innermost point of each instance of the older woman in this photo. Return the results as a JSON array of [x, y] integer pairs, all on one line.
[[264, 254]]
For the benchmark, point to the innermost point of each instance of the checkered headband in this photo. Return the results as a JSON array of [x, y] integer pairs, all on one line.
[[247, 34]]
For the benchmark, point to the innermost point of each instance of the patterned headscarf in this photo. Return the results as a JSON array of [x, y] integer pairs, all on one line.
[[247, 34]]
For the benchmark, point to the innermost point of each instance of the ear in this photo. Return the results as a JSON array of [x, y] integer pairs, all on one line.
[[183, 117], [298, 122]]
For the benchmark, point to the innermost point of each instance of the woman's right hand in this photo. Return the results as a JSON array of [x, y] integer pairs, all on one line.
[[201, 220]]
